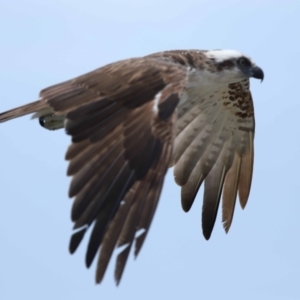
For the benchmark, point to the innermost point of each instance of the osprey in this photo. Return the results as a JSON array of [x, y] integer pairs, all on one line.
[[133, 119]]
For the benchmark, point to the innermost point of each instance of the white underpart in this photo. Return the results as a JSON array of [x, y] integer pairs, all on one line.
[[156, 102]]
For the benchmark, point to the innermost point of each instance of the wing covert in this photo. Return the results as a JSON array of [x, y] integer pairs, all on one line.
[[121, 119]]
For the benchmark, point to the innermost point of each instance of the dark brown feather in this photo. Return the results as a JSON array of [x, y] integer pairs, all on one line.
[[230, 192], [246, 172], [213, 185], [151, 201], [112, 233], [79, 154], [142, 210], [118, 133]]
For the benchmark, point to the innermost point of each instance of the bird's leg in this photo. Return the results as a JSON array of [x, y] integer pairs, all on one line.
[[52, 122]]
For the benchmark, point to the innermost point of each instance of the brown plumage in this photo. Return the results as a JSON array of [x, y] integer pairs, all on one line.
[[126, 120]]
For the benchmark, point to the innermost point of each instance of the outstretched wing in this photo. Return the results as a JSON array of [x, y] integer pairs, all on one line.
[[124, 128], [121, 118], [214, 145]]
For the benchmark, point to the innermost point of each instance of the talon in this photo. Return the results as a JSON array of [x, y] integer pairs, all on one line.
[[52, 122], [42, 122]]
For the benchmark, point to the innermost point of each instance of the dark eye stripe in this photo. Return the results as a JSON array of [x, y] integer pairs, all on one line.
[[243, 61]]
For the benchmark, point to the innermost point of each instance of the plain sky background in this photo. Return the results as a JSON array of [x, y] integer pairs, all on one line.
[[46, 42]]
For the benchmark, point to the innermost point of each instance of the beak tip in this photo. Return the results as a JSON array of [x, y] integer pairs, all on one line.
[[258, 73]]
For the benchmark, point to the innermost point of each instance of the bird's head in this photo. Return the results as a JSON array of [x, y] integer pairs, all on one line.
[[235, 65]]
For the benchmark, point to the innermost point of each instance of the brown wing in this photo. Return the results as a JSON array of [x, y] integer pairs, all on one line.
[[121, 119], [214, 144]]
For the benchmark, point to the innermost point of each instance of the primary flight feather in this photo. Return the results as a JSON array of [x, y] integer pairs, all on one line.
[[131, 120]]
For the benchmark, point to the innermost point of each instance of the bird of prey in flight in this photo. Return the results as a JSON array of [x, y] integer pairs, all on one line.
[[130, 121]]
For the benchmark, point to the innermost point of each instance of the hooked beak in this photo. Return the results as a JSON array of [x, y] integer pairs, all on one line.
[[258, 73]]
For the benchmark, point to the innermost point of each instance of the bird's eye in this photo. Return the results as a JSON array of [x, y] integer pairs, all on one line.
[[243, 62]]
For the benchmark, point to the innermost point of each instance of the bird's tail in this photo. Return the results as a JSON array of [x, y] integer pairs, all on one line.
[[33, 107]]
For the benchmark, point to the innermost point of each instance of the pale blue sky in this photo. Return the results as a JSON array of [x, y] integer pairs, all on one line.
[[45, 42]]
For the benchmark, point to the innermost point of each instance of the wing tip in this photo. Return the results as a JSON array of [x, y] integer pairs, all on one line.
[[226, 226], [186, 203], [206, 233], [243, 201], [76, 239]]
